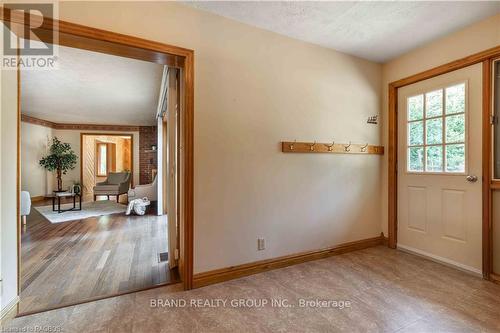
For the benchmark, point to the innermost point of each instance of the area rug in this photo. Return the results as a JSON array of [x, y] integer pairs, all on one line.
[[89, 209]]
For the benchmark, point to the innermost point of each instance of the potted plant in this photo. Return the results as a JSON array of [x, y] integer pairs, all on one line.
[[61, 159], [77, 187]]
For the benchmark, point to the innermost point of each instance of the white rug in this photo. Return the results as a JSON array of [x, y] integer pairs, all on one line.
[[89, 209]]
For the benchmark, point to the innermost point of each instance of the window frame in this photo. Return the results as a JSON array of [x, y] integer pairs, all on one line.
[[98, 159], [443, 117]]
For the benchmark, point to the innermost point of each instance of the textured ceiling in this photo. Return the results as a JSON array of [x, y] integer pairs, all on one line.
[[93, 88], [378, 31]]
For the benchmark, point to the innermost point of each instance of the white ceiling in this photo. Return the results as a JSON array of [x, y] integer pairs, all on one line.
[[93, 88], [378, 31]]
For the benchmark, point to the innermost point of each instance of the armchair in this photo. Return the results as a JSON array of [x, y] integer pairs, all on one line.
[[117, 183], [148, 190]]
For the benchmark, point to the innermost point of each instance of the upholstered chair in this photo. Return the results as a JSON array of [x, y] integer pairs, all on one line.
[[117, 183], [148, 190]]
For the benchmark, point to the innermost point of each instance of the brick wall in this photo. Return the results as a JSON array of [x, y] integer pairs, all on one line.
[[148, 160]]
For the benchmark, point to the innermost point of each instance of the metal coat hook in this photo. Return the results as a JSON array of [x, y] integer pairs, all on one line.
[[363, 149], [293, 144], [330, 147], [372, 120], [348, 147], [311, 147]]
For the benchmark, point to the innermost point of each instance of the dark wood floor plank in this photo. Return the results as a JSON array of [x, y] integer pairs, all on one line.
[[68, 262]]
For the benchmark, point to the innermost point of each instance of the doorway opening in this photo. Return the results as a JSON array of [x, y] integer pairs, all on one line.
[[485, 60], [439, 158], [102, 154], [87, 236], [95, 40]]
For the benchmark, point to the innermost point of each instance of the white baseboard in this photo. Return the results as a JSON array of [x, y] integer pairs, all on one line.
[[6, 310], [441, 260]]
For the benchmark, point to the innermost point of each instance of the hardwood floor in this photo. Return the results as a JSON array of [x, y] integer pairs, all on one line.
[[64, 263], [389, 291]]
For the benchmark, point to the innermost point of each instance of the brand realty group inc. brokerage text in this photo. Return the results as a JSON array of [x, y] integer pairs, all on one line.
[[248, 303]]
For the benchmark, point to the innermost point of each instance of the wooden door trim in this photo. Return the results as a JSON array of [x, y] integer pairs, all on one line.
[[131, 135], [18, 177], [487, 175], [98, 40], [484, 57], [449, 67]]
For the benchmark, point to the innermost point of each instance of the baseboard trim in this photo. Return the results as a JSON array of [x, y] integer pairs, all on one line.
[[495, 278], [8, 311], [234, 272], [38, 198], [441, 260]]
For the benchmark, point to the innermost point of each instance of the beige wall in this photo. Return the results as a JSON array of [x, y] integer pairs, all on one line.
[[8, 190], [34, 145], [475, 38], [254, 88]]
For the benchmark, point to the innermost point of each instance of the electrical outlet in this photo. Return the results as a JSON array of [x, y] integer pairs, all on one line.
[[261, 245]]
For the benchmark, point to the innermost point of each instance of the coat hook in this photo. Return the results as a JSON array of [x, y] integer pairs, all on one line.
[[348, 147], [330, 147], [312, 146], [292, 145], [372, 120], [363, 149]]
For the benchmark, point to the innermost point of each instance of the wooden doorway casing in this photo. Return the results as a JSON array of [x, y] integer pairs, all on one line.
[[82, 138], [97, 40], [486, 58]]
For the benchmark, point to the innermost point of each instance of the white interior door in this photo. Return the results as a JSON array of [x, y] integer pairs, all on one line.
[[439, 168]]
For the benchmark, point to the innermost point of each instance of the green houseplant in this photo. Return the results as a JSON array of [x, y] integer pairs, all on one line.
[[61, 159], [77, 187]]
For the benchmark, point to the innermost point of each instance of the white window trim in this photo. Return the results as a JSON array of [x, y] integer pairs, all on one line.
[[443, 144]]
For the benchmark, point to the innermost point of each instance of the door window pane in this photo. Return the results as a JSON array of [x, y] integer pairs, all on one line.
[[416, 159], [434, 131], [434, 103], [455, 158], [416, 107], [416, 130], [434, 159], [455, 128], [455, 99]]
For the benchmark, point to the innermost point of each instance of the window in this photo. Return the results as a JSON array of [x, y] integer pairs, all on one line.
[[436, 131], [102, 160]]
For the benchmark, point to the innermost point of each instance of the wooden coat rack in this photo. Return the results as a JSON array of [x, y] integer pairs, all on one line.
[[332, 147]]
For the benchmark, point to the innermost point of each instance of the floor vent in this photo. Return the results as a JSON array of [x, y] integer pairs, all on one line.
[[163, 256]]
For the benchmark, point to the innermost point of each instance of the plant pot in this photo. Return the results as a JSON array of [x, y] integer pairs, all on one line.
[[77, 189]]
